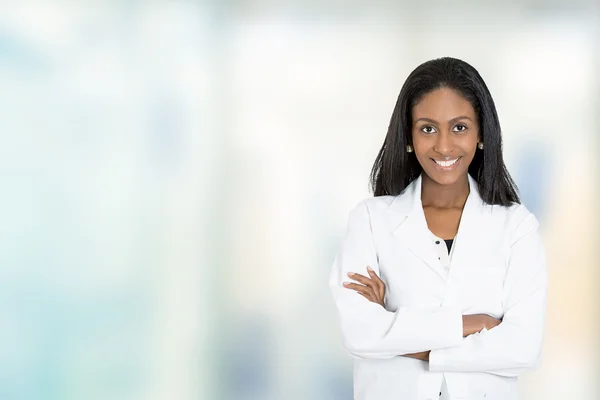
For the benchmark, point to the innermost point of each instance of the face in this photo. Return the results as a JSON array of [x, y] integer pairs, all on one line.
[[444, 135]]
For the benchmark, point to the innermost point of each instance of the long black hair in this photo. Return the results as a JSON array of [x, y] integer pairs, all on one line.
[[395, 169]]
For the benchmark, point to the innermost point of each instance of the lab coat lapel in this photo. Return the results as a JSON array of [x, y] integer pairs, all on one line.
[[412, 231], [468, 242]]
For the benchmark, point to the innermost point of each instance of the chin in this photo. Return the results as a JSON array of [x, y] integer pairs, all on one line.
[[445, 178]]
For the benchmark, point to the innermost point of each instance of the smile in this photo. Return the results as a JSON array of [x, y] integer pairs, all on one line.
[[446, 165]]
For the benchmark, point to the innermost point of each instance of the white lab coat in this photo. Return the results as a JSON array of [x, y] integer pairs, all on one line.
[[497, 266]]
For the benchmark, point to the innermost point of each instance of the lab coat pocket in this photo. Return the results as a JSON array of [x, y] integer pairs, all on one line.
[[482, 289]]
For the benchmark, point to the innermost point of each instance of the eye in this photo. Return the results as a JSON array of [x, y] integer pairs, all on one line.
[[459, 128], [428, 129]]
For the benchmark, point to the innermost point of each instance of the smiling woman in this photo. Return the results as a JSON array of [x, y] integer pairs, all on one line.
[[440, 99], [440, 283], [445, 135]]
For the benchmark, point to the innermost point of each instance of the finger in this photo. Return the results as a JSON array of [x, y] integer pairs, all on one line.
[[362, 279], [378, 282], [374, 276], [357, 287], [360, 289], [371, 284]]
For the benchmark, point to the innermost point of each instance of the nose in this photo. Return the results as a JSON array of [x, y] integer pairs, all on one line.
[[443, 145]]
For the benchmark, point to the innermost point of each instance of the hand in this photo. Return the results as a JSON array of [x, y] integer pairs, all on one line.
[[476, 322], [423, 356], [372, 289]]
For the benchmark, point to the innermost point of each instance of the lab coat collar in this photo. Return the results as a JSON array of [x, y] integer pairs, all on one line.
[[412, 230], [409, 201]]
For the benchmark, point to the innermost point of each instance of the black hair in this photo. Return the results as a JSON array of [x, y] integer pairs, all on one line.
[[394, 169]]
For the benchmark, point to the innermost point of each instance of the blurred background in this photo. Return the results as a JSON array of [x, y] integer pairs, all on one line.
[[176, 179]]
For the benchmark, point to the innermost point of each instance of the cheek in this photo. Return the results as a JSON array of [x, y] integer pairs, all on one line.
[[423, 158], [468, 143], [421, 152], [473, 137], [421, 144]]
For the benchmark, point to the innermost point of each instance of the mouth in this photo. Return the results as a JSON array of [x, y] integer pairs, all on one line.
[[446, 165]]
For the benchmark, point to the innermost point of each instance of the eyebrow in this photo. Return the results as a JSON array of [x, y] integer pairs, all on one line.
[[453, 120]]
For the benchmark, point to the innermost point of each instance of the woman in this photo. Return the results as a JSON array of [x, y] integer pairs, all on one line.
[[440, 283]]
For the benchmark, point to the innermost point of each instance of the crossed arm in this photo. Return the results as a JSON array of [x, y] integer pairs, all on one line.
[[449, 340], [372, 288]]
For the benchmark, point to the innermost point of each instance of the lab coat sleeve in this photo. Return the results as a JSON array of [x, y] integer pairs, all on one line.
[[514, 346], [369, 330]]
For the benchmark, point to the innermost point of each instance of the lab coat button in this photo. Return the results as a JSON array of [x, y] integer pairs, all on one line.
[[437, 242]]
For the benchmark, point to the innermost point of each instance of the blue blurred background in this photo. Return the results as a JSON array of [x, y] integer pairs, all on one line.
[[176, 179]]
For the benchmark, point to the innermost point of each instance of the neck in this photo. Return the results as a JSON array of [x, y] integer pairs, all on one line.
[[444, 196]]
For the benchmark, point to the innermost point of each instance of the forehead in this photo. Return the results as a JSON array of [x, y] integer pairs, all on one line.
[[442, 105]]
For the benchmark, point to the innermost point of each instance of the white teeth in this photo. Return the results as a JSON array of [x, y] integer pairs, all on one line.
[[446, 163]]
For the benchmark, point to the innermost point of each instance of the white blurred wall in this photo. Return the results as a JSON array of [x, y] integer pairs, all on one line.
[[176, 178]]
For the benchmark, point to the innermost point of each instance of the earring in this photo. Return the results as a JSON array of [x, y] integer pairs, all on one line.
[[409, 148], [480, 145]]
